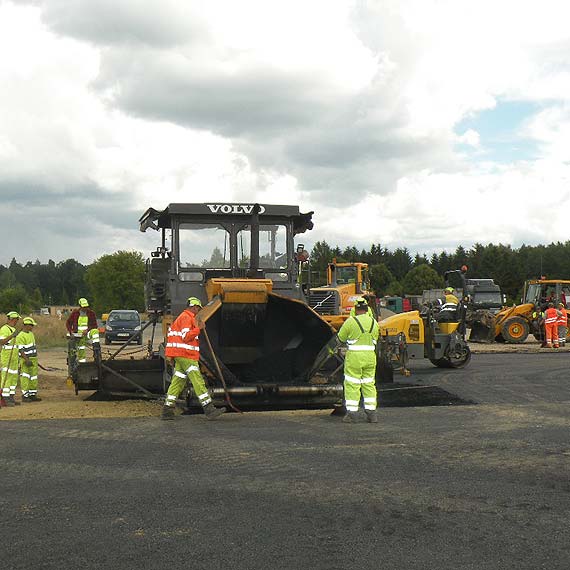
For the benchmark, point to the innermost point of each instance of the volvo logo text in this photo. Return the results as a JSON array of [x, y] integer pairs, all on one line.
[[234, 208]]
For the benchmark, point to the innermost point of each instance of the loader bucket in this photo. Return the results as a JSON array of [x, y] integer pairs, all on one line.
[[481, 332]]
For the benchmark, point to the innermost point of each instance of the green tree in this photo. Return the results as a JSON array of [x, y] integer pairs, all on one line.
[[420, 278], [395, 288], [116, 281], [36, 298], [14, 299], [380, 278], [400, 262]]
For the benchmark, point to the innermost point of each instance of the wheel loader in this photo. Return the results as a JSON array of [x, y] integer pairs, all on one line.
[[514, 324], [262, 345], [345, 283]]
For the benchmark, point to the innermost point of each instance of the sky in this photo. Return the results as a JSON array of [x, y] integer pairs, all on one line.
[[424, 124]]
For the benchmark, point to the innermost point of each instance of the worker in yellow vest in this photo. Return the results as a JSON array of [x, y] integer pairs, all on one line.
[[9, 360], [360, 333], [82, 327], [26, 342]]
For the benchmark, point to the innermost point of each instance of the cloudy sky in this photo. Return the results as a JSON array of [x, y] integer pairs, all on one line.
[[417, 123]]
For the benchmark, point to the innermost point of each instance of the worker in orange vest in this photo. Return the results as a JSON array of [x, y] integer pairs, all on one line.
[[183, 352], [562, 324], [551, 326]]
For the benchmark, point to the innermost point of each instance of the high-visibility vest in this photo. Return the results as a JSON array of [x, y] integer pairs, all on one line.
[[550, 316], [27, 344], [6, 331], [183, 340], [360, 334], [563, 318]]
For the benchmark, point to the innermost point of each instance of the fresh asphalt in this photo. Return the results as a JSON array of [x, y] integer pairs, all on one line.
[[479, 482]]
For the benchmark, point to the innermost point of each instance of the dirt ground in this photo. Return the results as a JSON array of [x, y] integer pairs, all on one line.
[[59, 400]]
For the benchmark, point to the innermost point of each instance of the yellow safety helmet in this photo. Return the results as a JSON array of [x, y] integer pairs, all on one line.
[[360, 302], [29, 321], [13, 315], [83, 302], [194, 302], [449, 289]]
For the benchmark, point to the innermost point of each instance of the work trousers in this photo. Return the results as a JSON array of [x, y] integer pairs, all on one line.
[[359, 372], [186, 369], [29, 377], [551, 334], [562, 332], [77, 348], [9, 359], [81, 347]]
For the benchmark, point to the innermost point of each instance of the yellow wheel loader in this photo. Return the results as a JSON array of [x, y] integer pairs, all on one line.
[[345, 283], [514, 324]]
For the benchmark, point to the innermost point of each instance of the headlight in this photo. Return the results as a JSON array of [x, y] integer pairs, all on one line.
[[108, 328], [138, 328]]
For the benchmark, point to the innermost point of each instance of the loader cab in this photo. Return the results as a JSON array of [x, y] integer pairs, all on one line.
[[355, 274], [540, 292], [201, 242]]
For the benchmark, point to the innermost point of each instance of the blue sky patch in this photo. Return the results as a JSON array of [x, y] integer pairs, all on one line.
[[498, 132]]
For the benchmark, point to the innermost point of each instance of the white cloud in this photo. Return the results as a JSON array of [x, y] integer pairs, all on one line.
[[346, 108]]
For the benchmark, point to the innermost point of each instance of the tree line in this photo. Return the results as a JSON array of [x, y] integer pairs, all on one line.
[[399, 272], [117, 280]]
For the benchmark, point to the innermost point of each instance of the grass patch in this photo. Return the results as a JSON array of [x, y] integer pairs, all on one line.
[[50, 331]]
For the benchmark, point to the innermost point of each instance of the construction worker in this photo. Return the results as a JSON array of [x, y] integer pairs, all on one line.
[[538, 316], [448, 311], [81, 327], [26, 342], [360, 333], [183, 352], [562, 324], [551, 326], [9, 360]]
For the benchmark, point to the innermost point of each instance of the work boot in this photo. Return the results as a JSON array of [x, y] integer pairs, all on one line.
[[26, 399], [371, 416], [211, 412], [350, 418], [167, 413], [35, 398], [14, 401]]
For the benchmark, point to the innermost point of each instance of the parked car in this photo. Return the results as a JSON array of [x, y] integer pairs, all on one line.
[[121, 325]]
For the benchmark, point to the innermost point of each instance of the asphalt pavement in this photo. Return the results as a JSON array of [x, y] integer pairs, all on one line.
[[478, 482]]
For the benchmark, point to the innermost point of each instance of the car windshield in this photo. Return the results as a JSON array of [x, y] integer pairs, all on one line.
[[124, 316]]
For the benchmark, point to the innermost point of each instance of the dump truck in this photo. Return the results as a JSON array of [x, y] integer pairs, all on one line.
[[514, 324], [346, 282], [262, 346]]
